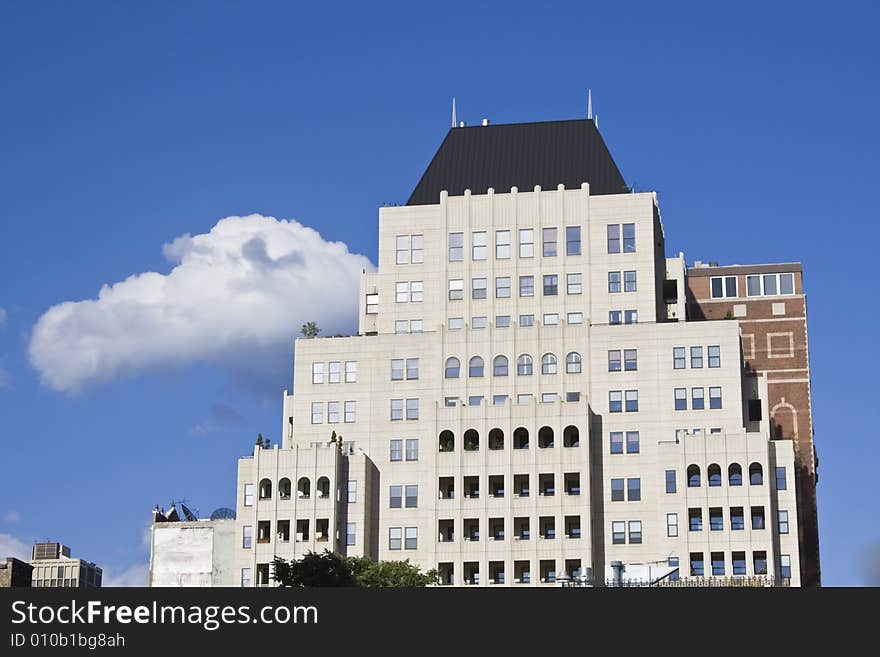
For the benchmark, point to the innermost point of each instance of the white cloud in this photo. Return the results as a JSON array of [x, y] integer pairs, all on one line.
[[13, 547], [11, 517], [137, 575], [237, 296]]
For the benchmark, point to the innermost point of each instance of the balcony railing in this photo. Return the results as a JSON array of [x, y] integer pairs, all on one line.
[[757, 581]]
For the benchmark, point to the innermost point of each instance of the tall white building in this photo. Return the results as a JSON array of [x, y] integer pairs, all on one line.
[[525, 397]]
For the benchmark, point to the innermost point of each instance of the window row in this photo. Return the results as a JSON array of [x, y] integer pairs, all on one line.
[[679, 357], [495, 439], [626, 490], [623, 400], [479, 287], [522, 572], [549, 243], [400, 447], [626, 531], [623, 360], [716, 520], [571, 485], [347, 411], [409, 291], [626, 283], [470, 528], [404, 368], [734, 476], [504, 321], [698, 399], [757, 285], [628, 234], [282, 528], [403, 496], [407, 326], [404, 409], [522, 398], [410, 249], [334, 372], [303, 489], [524, 365], [718, 564]]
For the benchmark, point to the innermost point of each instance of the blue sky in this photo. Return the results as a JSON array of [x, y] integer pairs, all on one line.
[[125, 126]]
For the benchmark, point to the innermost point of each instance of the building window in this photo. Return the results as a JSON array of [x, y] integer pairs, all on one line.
[[317, 412], [632, 401], [502, 244], [693, 475], [502, 321], [698, 402], [550, 249], [672, 525], [418, 254], [478, 245], [632, 442], [785, 566], [351, 371], [397, 369], [613, 238], [614, 360], [616, 439], [456, 247], [247, 536], [352, 491], [715, 398], [734, 475], [417, 291], [526, 286], [615, 317], [614, 281], [395, 496], [575, 318], [572, 240], [499, 366], [630, 360], [350, 533], [402, 249], [456, 289], [396, 409], [633, 489], [502, 287], [478, 288], [756, 474], [335, 372], [548, 364], [411, 538], [479, 322], [670, 481], [524, 365], [526, 243], [401, 292], [350, 411], [396, 449], [573, 363], [760, 562], [781, 483], [697, 357], [245, 577], [455, 323], [723, 287], [317, 372], [618, 533], [574, 284], [499, 400], [672, 562], [395, 536], [635, 531], [737, 518], [629, 238], [697, 566], [714, 356], [412, 409], [782, 517], [718, 563], [757, 517], [412, 497], [453, 367], [716, 519], [678, 358], [475, 367], [629, 281], [248, 495], [551, 285], [551, 319], [372, 304], [412, 369], [412, 449], [695, 520], [630, 316], [524, 398], [617, 490], [615, 401]]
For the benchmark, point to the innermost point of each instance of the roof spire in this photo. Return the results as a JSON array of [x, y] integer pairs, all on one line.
[[589, 104], [453, 112], [596, 121]]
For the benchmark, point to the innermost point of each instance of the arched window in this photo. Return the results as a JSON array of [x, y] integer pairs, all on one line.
[[735, 475], [453, 367], [521, 438], [693, 473], [284, 489], [447, 441], [471, 440], [476, 366], [713, 472], [304, 488], [573, 363], [548, 364], [265, 489], [323, 487], [545, 437], [499, 366], [496, 439], [756, 474], [571, 437], [524, 365]]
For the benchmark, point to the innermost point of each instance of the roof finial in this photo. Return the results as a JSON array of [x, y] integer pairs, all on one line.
[[589, 104], [454, 122]]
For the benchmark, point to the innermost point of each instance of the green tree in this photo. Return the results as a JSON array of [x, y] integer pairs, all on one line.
[[310, 330], [390, 574], [314, 569]]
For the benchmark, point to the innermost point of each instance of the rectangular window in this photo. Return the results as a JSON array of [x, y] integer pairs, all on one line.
[[412, 497], [613, 238], [395, 536], [397, 369], [718, 563], [401, 292], [499, 400], [417, 291], [698, 402], [753, 285], [781, 483], [418, 253], [551, 319], [723, 287], [526, 320], [715, 398], [478, 245], [632, 442], [770, 284], [760, 562], [631, 316], [351, 371], [629, 238], [696, 357], [672, 562], [618, 533], [615, 401], [678, 358], [739, 563], [456, 247], [412, 449], [616, 438], [737, 519], [415, 326], [550, 250], [247, 537], [395, 497], [785, 566], [614, 360], [672, 525], [716, 519], [697, 566], [372, 304], [573, 284], [456, 323], [479, 322], [350, 533], [456, 289], [575, 318], [502, 321], [629, 281], [572, 240], [695, 520], [786, 283], [502, 244], [670, 481], [757, 517], [332, 412], [248, 495], [475, 400], [633, 490], [411, 538], [334, 374], [635, 531], [412, 368], [714, 356], [614, 281], [351, 411], [396, 409], [615, 317], [502, 287], [478, 288], [402, 249], [630, 360], [617, 490], [412, 409], [396, 449], [317, 412], [526, 286], [526, 243], [245, 577], [782, 517], [551, 285], [632, 401], [352, 491], [317, 372], [524, 398]]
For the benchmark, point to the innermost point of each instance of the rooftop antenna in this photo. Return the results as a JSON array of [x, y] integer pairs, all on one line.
[[453, 112], [589, 104]]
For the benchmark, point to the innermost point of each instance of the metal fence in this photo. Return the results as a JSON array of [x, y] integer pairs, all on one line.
[[759, 581]]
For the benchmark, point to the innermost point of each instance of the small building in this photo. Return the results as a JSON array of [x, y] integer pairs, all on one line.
[[15, 573], [53, 567]]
